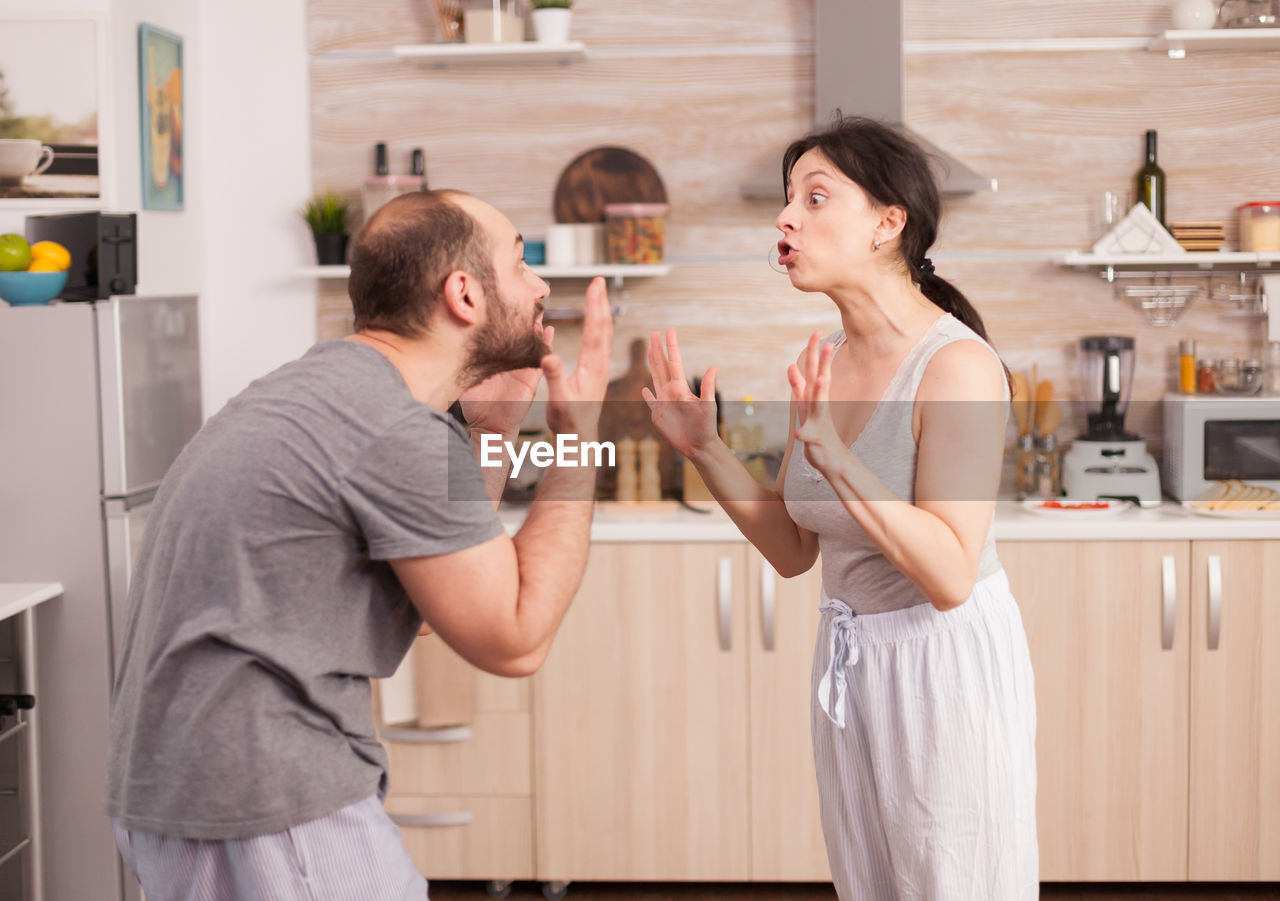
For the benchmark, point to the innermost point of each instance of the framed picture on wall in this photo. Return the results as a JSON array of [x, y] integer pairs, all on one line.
[[160, 117], [51, 110]]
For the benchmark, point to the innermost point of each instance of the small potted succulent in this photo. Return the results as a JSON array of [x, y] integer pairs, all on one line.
[[551, 20], [326, 215]]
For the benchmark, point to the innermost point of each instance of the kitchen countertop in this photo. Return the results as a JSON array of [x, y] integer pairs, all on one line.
[[668, 522], [15, 597]]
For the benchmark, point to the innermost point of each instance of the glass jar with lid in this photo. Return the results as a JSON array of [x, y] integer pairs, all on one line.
[[490, 21], [1247, 14]]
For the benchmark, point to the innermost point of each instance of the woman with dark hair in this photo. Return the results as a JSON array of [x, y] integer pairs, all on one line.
[[923, 712]]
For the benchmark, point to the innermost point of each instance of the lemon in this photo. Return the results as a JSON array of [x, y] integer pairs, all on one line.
[[50, 252]]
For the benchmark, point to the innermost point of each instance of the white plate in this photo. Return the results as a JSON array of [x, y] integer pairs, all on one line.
[[1193, 506], [1111, 508]]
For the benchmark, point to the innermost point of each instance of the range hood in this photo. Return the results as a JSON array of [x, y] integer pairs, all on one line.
[[858, 69]]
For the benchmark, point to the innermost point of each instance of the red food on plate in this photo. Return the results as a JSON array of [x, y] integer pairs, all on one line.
[[1077, 505]]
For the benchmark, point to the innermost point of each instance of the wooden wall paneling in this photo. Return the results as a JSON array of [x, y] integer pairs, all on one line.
[[373, 24], [1020, 19], [506, 134], [1056, 129]]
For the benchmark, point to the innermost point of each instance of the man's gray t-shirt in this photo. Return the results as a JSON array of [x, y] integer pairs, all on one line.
[[262, 604]]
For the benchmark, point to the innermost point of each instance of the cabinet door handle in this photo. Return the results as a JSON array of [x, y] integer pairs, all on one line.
[[1169, 583], [1215, 600], [724, 600], [436, 820], [441, 735], [768, 603]]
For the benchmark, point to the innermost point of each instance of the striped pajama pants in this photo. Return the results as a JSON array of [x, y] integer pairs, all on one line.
[[924, 741], [352, 854]]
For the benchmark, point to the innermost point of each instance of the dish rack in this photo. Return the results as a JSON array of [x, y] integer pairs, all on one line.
[[1163, 297], [1161, 301], [1241, 296]]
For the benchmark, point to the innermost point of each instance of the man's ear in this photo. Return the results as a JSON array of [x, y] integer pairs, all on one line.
[[461, 297]]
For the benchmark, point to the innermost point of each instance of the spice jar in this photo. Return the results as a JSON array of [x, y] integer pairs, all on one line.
[[1228, 375], [1048, 467], [1206, 378], [628, 475], [649, 476], [1025, 472], [1187, 366]]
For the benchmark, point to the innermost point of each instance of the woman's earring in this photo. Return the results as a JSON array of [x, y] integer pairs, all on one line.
[[875, 245]]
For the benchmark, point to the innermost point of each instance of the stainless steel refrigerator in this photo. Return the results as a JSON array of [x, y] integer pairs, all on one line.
[[96, 401]]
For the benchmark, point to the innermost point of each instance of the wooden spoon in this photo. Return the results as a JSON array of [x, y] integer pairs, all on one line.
[[1020, 399], [1044, 397], [1048, 417]]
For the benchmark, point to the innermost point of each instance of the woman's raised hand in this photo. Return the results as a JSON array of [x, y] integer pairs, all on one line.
[[811, 391], [683, 418]]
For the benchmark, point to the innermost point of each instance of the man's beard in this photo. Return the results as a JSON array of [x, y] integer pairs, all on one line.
[[505, 342]]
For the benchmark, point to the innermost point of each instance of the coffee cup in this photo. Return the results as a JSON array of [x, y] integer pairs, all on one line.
[[20, 157]]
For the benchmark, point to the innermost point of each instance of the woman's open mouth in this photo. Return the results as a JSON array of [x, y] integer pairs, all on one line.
[[786, 253]]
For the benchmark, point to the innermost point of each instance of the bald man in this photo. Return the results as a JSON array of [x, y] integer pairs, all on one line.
[[305, 535]]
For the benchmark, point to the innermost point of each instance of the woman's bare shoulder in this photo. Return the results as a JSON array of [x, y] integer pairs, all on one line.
[[965, 369]]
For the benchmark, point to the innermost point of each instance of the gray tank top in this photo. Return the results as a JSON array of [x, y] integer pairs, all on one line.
[[853, 568]]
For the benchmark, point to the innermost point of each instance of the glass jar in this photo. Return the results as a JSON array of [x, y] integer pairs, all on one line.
[[1048, 467], [635, 232], [491, 21], [1273, 368], [1206, 378], [1025, 463], [1228, 375], [1247, 14]]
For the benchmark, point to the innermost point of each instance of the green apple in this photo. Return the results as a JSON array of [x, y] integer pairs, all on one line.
[[15, 253]]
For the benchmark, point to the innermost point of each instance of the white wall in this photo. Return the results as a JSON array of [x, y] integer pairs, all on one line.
[[256, 168], [246, 153]]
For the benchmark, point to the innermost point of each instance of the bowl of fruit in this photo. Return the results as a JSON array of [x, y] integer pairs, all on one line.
[[31, 274]]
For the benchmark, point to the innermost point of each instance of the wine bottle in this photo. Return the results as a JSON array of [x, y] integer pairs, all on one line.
[[419, 166], [1151, 182]]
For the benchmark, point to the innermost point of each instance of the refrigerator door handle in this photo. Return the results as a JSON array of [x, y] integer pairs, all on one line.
[[120, 515]]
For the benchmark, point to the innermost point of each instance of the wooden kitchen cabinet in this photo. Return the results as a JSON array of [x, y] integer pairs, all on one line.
[[1235, 711], [671, 741], [1112, 704], [640, 726], [463, 797], [786, 825], [662, 754]]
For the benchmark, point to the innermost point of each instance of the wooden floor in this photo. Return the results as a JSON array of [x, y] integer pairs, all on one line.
[[595, 891]]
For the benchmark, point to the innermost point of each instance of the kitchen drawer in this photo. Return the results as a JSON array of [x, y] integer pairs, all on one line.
[[477, 837], [495, 760]]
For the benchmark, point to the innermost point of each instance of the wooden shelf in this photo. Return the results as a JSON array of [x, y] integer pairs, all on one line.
[[498, 53], [1178, 43], [608, 270], [616, 271], [1200, 260]]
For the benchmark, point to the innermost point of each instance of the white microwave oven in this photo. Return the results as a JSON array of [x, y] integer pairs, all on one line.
[[1212, 437]]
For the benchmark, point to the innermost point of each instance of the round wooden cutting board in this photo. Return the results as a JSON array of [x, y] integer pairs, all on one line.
[[605, 175]]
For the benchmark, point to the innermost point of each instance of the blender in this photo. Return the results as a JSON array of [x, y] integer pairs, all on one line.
[[1107, 462]]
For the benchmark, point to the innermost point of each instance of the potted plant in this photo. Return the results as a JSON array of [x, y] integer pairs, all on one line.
[[326, 214], [551, 20]]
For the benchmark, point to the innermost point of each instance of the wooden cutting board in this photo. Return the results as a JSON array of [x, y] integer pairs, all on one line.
[[626, 415], [605, 175]]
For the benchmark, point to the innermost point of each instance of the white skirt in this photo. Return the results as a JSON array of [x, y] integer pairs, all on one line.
[[924, 738]]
